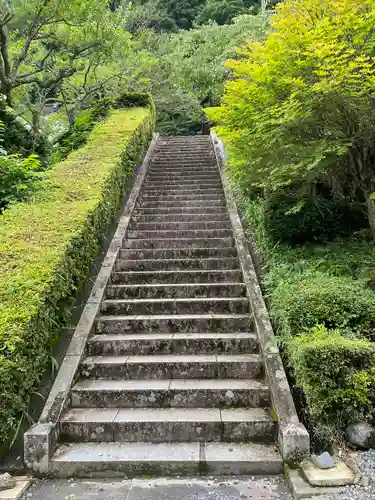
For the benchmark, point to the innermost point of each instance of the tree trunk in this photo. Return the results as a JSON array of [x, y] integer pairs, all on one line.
[[371, 215]]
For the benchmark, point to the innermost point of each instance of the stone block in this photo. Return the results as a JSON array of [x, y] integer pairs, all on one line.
[[340, 475]]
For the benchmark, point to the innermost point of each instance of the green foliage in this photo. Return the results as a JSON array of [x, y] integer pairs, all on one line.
[[337, 375], [307, 299], [18, 177], [315, 218], [322, 285], [171, 15], [224, 11], [48, 245], [300, 109]]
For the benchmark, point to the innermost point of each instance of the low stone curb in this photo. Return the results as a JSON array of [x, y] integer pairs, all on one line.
[[293, 438]]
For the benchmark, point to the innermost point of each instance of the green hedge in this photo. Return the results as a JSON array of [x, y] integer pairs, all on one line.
[[317, 298], [47, 247], [337, 375], [322, 303]]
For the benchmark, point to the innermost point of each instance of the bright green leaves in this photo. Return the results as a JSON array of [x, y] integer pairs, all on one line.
[[300, 108]]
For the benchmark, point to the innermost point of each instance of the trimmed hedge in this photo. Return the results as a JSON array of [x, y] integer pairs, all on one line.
[[337, 374], [47, 247], [333, 301]]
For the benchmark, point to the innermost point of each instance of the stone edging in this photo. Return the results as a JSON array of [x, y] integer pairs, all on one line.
[[41, 439], [293, 438]]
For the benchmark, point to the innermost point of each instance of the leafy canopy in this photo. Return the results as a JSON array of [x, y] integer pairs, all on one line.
[[301, 107]]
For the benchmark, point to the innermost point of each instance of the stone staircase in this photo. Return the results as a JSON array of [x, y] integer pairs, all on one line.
[[172, 381]]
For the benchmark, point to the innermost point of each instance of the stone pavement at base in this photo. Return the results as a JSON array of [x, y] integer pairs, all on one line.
[[161, 489]]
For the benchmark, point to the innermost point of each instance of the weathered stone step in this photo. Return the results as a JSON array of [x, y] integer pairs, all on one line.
[[175, 197], [196, 305], [179, 242], [165, 459], [179, 205], [188, 393], [177, 343], [180, 163], [175, 291], [200, 208], [181, 191], [191, 171], [183, 183], [180, 210], [181, 217], [140, 226], [188, 233], [175, 277], [178, 253], [158, 425], [174, 323], [171, 177], [176, 264], [173, 366]]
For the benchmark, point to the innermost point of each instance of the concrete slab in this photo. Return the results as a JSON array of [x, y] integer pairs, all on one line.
[[300, 488], [340, 475], [162, 489], [16, 492]]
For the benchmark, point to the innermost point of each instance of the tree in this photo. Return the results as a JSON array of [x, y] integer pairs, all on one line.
[[196, 57], [43, 43], [301, 108], [222, 11]]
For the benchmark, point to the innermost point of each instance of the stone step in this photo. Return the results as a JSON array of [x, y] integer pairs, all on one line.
[[165, 459], [178, 253], [191, 171], [158, 425], [181, 163], [172, 177], [188, 233], [182, 210], [179, 242], [178, 343], [181, 218], [188, 393], [196, 305], [174, 323], [173, 366], [138, 226], [160, 197], [178, 206], [176, 264], [183, 184], [176, 195], [175, 291], [186, 183], [175, 277]]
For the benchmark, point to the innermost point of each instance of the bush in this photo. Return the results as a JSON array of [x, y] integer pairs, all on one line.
[[327, 284], [47, 248], [318, 218], [334, 301], [337, 375]]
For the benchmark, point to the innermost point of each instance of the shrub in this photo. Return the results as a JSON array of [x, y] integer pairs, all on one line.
[[317, 218], [47, 248], [334, 301], [337, 374]]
